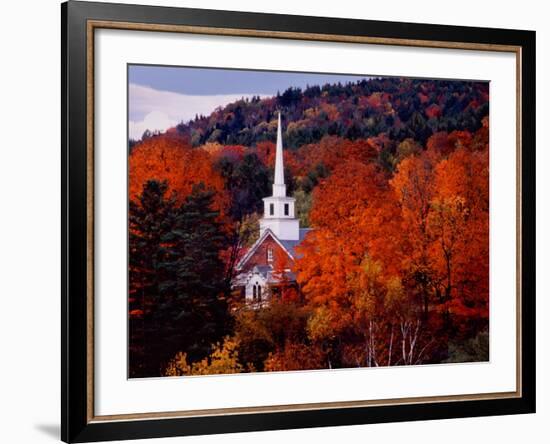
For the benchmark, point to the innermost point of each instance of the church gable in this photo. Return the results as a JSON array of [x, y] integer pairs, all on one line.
[[264, 252]]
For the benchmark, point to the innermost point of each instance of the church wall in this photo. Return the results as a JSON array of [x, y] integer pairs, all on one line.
[[260, 255]]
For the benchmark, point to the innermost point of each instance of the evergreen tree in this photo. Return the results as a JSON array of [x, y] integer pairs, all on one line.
[[177, 284], [194, 313], [150, 219]]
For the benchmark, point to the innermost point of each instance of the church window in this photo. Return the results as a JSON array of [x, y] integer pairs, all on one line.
[[254, 292], [286, 209], [270, 255], [259, 293], [271, 209]]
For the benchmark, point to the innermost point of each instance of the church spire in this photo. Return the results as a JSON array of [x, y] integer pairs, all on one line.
[[279, 216], [279, 187]]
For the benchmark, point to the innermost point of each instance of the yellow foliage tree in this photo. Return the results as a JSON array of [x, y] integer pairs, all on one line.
[[224, 359]]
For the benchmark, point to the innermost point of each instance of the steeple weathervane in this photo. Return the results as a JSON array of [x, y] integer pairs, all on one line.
[[279, 187]]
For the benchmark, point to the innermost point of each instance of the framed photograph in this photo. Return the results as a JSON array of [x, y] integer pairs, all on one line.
[[276, 221]]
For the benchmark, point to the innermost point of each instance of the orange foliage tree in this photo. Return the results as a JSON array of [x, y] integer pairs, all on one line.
[[338, 244], [387, 257], [171, 159], [413, 189], [266, 153], [336, 273], [459, 225], [331, 151]]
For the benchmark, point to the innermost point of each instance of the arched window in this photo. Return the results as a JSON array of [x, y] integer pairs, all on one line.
[[259, 293], [254, 292]]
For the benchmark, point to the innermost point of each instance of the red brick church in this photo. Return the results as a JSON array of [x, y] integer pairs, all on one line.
[[280, 233]]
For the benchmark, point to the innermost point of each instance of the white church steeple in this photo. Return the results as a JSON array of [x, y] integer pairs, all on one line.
[[279, 187], [279, 209]]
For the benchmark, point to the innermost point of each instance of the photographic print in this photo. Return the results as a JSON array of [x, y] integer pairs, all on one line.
[[275, 222], [287, 221]]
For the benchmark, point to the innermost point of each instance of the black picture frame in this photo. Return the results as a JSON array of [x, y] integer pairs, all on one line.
[[76, 423]]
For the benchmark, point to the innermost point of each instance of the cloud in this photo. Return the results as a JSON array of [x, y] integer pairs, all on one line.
[[157, 110], [155, 120]]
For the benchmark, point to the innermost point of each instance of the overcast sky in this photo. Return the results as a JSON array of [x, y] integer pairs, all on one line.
[[160, 97]]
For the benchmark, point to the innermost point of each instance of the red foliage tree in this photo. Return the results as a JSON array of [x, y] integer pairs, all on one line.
[[171, 159]]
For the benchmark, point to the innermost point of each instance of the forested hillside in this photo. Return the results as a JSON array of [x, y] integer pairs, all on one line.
[[400, 108]]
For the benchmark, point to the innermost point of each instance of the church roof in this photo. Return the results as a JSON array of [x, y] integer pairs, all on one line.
[[291, 244], [259, 242], [288, 245], [264, 270]]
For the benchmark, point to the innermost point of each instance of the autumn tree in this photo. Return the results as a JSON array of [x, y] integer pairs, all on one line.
[[265, 331], [331, 151], [224, 359], [169, 158], [413, 186], [296, 356], [331, 271], [459, 224]]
